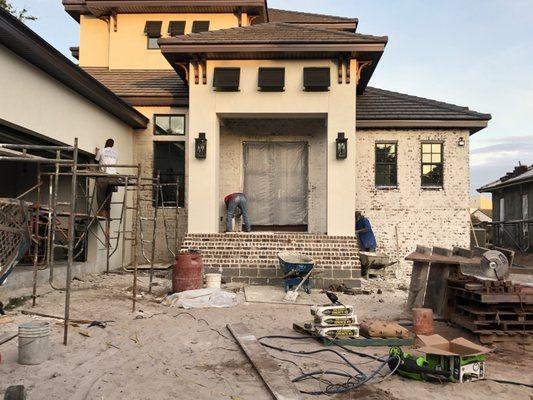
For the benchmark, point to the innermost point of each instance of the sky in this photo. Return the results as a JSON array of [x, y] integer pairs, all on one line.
[[475, 53]]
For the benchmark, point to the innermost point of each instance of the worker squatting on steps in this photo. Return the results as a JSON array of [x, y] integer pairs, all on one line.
[[105, 185], [364, 231], [236, 204]]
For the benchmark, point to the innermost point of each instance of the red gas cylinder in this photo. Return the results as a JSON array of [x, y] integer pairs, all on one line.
[[187, 272]]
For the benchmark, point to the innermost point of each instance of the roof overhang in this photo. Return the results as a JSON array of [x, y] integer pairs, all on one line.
[[98, 8], [178, 54], [472, 125], [21, 40], [492, 187]]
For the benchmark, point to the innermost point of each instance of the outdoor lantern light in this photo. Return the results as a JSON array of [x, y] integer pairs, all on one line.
[[200, 147], [342, 146], [461, 142]]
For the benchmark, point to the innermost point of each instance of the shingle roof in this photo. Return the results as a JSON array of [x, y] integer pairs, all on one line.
[[277, 15], [524, 177], [134, 84], [275, 32], [383, 104]]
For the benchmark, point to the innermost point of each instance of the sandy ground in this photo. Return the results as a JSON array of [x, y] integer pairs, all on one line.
[[165, 353]]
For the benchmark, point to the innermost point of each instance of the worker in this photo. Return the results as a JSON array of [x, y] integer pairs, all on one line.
[[365, 233], [105, 185], [235, 203]]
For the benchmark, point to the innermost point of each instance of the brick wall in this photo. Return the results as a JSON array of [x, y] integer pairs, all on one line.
[[420, 216], [252, 258]]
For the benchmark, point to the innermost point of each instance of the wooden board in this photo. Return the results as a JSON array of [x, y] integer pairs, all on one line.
[[436, 290], [276, 379], [358, 342]]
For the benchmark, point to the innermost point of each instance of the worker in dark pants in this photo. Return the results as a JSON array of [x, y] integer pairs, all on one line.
[[363, 229], [105, 185], [236, 202]]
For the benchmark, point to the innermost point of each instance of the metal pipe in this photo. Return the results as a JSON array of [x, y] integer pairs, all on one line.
[[37, 214], [154, 232], [34, 147], [53, 221], [37, 186], [135, 239], [71, 234]]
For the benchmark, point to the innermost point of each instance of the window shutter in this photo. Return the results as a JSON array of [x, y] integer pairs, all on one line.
[[272, 79], [200, 26], [316, 79], [227, 79], [176, 28], [153, 29]]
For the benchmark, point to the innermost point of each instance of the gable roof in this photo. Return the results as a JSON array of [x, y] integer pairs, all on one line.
[[505, 181], [22, 41], [298, 17], [144, 87], [378, 108], [274, 33]]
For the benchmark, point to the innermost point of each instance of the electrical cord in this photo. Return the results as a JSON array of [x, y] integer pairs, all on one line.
[[353, 381]]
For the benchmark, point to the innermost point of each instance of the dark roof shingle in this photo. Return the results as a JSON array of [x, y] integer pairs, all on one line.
[[384, 104], [277, 15], [274, 32]]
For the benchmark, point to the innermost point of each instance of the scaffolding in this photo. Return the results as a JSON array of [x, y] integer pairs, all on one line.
[[47, 233]]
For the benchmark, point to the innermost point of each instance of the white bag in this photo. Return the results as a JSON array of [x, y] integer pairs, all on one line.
[[201, 298]]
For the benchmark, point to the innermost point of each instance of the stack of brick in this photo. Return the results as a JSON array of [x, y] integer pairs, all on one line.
[[252, 258]]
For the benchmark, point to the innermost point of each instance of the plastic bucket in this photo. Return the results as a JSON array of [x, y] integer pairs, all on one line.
[[423, 321], [34, 346], [213, 281]]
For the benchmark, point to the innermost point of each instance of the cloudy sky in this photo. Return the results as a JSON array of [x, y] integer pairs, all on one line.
[[475, 53]]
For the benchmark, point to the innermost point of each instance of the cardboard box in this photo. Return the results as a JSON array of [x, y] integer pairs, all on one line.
[[464, 359]]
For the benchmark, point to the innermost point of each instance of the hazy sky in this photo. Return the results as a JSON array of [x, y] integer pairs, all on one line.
[[475, 53]]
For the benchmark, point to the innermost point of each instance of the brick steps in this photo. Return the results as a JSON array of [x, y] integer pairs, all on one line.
[[252, 258]]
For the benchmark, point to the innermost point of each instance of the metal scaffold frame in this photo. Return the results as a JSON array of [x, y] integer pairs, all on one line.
[[69, 166]]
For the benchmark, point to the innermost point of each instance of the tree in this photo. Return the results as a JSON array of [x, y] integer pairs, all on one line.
[[21, 14]]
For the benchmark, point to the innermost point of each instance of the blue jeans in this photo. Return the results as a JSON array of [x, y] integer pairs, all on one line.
[[240, 202]]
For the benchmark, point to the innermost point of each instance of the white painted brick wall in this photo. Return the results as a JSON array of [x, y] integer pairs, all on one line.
[[421, 216]]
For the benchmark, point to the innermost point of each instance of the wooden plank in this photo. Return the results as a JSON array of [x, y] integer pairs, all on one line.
[[419, 277], [358, 342], [436, 297], [6, 337], [276, 379]]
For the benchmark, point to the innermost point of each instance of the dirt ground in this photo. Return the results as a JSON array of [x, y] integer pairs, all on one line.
[[163, 352]]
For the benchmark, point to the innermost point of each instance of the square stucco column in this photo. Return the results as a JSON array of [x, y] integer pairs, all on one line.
[[203, 193], [341, 173]]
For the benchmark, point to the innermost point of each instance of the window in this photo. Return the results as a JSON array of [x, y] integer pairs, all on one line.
[[502, 209], [227, 79], [432, 165], [316, 79], [386, 164], [176, 28], [169, 124], [200, 26], [169, 161], [525, 215], [152, 30], [271, 79]]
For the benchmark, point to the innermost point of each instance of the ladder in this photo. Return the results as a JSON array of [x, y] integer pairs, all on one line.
[[170, 220]]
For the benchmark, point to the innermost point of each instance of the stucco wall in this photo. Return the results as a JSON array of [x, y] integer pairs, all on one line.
[[235, 132], [420, 216]]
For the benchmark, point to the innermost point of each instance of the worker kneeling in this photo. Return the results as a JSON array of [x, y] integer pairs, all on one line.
[[235, 206]]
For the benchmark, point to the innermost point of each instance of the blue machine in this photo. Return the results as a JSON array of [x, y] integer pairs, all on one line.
[[295, 266]]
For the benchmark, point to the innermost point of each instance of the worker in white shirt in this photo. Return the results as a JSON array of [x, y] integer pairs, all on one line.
[[105, 185]]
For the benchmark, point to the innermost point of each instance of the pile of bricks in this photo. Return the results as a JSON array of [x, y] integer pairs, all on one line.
[[252, 258]]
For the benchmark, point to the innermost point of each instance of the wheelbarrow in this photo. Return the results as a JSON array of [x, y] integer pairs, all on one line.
[[295, 267], [373, 260]]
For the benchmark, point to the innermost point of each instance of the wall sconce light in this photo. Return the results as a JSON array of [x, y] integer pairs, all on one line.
[[341, 146], [461, 142], [200, 146]]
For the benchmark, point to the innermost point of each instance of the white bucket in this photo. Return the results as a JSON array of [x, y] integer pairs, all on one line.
[[34, 346], [213, 281]]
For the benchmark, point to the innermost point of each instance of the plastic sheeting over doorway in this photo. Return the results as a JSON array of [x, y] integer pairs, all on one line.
[[275, 182]]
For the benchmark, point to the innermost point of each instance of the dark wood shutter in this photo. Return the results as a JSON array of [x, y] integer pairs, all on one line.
[[153, 29], [200, 26], [271, 79], [227, 79], [176, 28], [316, 79]]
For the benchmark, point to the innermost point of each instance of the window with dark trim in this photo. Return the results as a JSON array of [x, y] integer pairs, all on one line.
[[169, 124], [152, 30], [200, 26], [176, 28], [386, 164], [169, 161], [271, 79], [227, 79], [316, 79], [432, 165]]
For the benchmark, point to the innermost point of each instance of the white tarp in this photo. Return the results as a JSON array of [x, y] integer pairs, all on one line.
[[201, 298]]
